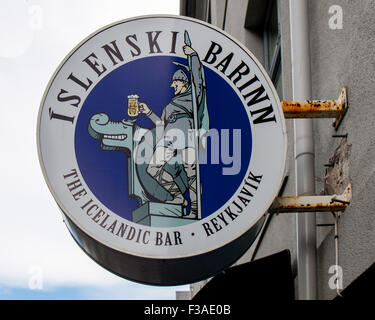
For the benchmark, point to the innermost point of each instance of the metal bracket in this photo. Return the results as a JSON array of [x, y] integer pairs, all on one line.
[[318, 108], [313, 203]]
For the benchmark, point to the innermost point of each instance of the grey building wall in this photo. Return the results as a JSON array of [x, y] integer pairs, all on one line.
[[341, 57], [281, 233], [183, 295], [347, 58]]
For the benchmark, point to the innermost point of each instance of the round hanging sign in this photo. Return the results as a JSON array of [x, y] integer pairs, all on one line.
[[163, 141]]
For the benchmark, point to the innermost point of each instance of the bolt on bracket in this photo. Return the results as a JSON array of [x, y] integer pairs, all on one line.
[[318, 108], [313, 203]]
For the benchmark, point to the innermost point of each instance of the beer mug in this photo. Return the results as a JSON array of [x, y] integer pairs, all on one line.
[[133, 110]]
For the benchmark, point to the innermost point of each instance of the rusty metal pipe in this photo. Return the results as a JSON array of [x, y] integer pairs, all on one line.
[[318, 108], [311, 109]]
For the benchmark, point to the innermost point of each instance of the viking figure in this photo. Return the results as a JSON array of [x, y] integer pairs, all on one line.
[[177, 119]]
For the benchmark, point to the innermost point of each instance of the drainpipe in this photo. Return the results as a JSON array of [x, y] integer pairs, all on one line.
[[303, 150]]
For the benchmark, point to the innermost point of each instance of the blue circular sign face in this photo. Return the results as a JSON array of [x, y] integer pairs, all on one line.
[[163, 142], [224, 162]]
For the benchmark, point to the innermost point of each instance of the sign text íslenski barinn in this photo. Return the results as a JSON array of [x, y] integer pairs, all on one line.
[[163, 142]]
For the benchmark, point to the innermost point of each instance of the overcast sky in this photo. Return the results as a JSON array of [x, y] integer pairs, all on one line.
[[38, 257]]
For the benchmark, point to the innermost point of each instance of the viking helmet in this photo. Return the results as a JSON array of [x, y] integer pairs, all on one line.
[[180, 75]]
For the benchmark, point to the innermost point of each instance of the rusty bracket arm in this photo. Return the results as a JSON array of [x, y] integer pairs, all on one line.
[[313, 203], [318, 108]]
